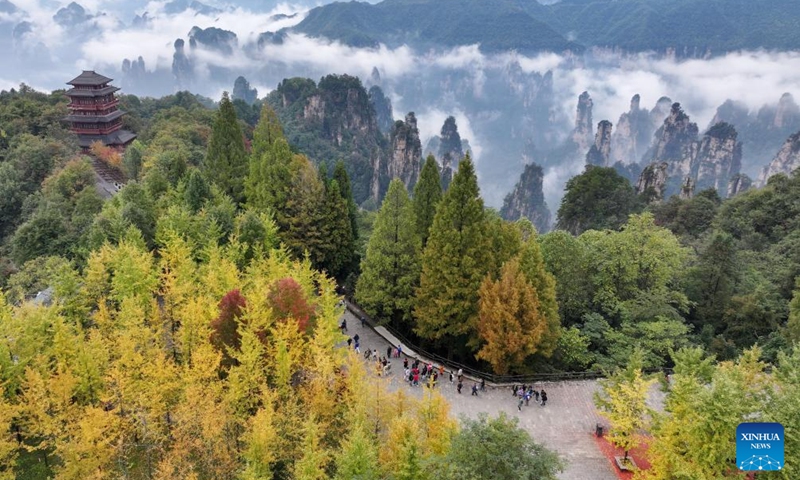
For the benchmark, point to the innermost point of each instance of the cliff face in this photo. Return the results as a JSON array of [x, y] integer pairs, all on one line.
[[600, 153], [786, 161], [335, 120], [582, 136], [405, 156], [761, 132], [738, 184], [213, 38], [653, 180], [383, 109], [450, 151], [635, 130], [719, 158], [181, 66], [706, 163], [527, 199]]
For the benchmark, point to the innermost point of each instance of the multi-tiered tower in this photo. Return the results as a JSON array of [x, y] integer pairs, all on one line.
[[94, 115]]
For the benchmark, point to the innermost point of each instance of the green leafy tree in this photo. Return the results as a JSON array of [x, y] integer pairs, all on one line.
[[693, 437], [597, 199], [358, 459], [226, 159], [133, 160], [427, 194], [794, 314], [623, 401], [711, 281], [305, 214], [454, 262], [784, 408], [567, 259], [390, 271], [488, 448]]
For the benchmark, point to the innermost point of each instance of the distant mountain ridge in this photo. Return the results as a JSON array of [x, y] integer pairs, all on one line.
[[685, 28]]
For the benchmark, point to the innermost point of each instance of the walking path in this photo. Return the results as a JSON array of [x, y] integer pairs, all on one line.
[[565, 425]]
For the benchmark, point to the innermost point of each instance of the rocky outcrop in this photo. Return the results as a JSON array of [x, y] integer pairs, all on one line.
[[634, 131], [600, 153], [652, 181], [71, 15], [243, 92], [450, 151], [787, 112], [707, 163], [334, 120], [733, 112], [213, 38], [181, 66], [405, 156], [582, 135], [786, 161], [134, 74], [739, 183], [527, 199], [687, 189], [383, 109], [719, 158], [675, 137]]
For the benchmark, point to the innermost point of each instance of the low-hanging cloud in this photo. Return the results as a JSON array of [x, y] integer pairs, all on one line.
[[461, 84]]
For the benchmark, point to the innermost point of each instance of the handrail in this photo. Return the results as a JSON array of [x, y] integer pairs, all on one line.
[[490, 378]]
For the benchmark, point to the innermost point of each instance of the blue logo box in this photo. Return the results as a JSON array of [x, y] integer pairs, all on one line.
[[759, 446]]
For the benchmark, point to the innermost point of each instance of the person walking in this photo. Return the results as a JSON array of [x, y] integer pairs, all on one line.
[[483, 384], [389, 352], [405, 362], [536, 394], [514, 390], [475, 389], [527, 398], [363, 321], [357, 347], [458, 388], [356, 338], [519, 404], [343, 325], [399, 350], [451, 376], [349, 342], [544, 397]]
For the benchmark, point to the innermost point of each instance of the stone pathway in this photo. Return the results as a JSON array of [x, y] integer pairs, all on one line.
[[565, 425]]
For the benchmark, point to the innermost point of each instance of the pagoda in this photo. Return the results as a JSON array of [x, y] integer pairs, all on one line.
[[94, 116]]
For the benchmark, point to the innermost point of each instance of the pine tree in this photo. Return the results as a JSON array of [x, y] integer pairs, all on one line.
[[269, 181], [197, 191], [454, 263], [226, 159], [339, 247], [533, 266], [427, 194], [511, 323], [346, 190], [268, 131], [390, 271], [302, 224]]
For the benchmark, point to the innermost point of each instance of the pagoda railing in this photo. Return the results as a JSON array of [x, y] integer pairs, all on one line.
[[97, 131], [93, 106]]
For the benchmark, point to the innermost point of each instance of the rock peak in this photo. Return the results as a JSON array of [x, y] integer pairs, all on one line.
[[583, 135]]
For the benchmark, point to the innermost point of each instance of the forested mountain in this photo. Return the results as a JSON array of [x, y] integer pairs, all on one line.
[[687, 28]]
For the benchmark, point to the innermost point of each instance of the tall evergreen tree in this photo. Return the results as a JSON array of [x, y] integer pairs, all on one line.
[[340, 175], [454, 262], [390, 271], [339, 247], [302, 231], [226, 159], [268, 130], [533, 266], [270, 180], [197, 191], [427, 194]]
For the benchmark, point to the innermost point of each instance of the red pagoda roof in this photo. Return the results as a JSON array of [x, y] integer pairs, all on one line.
[[89, 77]]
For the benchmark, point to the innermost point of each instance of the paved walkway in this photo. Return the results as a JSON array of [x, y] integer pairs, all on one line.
[[565, 425]]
